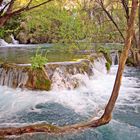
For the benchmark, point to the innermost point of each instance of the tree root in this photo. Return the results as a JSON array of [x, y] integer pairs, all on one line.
[[51, 129]]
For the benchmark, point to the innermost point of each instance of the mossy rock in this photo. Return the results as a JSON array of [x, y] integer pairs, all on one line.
[[108, 66], [38, 80], [108, 58], [35, 78]]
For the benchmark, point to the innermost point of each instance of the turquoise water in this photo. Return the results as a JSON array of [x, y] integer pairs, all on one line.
[[24, 54], [21, 107]]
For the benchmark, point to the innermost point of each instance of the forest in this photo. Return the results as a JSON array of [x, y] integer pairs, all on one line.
[[70, 69]]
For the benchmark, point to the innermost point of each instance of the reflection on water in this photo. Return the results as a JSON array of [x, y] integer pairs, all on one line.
[[24, 54], [19, 107]]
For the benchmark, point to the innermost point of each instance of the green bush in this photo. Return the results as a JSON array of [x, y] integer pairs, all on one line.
[[38, 61]]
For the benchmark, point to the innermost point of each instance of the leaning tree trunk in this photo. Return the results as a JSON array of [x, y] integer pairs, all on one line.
[[138, 47], [123, 58], [106, 117]]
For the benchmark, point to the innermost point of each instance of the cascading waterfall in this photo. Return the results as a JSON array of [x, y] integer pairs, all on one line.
[[100, 64], [61, 107], [12, 77], [3, 43], [115, 57], [14, 41], [68, 75], [63, 75]]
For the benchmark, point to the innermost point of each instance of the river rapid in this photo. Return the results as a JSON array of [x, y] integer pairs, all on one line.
[[62, 107]]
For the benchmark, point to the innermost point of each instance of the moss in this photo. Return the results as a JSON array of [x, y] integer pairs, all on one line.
[[36, 77], [38, 80], [107, 66], [92, 59], [108, 58], [105, 52], [94, 56], [85, 66]]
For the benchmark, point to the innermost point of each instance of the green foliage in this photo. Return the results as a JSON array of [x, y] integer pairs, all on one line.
[[38, 61], [101, 49], [106, 53], [57, 25], [108, 65], [2, 33], [11, 27], [52, 23]]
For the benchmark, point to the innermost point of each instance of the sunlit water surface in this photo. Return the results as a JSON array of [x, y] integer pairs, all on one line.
[[21, 107], [24, 54]]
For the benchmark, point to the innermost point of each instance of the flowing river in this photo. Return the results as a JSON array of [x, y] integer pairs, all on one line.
[[62, 107]]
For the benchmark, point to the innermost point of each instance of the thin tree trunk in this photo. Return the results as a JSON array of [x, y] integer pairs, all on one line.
[[138, 46], [123, 58], [106, 117]]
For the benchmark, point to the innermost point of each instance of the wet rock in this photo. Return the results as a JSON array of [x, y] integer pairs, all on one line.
[[68, 75], [56, 75], [14, 76], [82, 66]]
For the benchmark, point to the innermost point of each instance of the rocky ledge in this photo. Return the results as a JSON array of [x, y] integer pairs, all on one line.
[[64, 75]]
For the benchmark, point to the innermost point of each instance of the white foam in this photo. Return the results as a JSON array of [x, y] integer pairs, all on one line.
[[91, 97]]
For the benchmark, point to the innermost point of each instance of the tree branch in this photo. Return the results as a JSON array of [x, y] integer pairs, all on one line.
[[9, 10], [2, 10], [125, 5], [9, 13], [27, 8], [111, 18]]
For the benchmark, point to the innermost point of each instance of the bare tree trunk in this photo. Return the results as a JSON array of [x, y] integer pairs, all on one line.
[[138, 47], [106, 117]]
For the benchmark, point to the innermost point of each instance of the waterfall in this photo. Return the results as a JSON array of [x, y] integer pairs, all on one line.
[[100, 64], [13, 77], [13, 40], [63, 75], [69, 75], [114, 57], [3, 43], [26, 107]]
